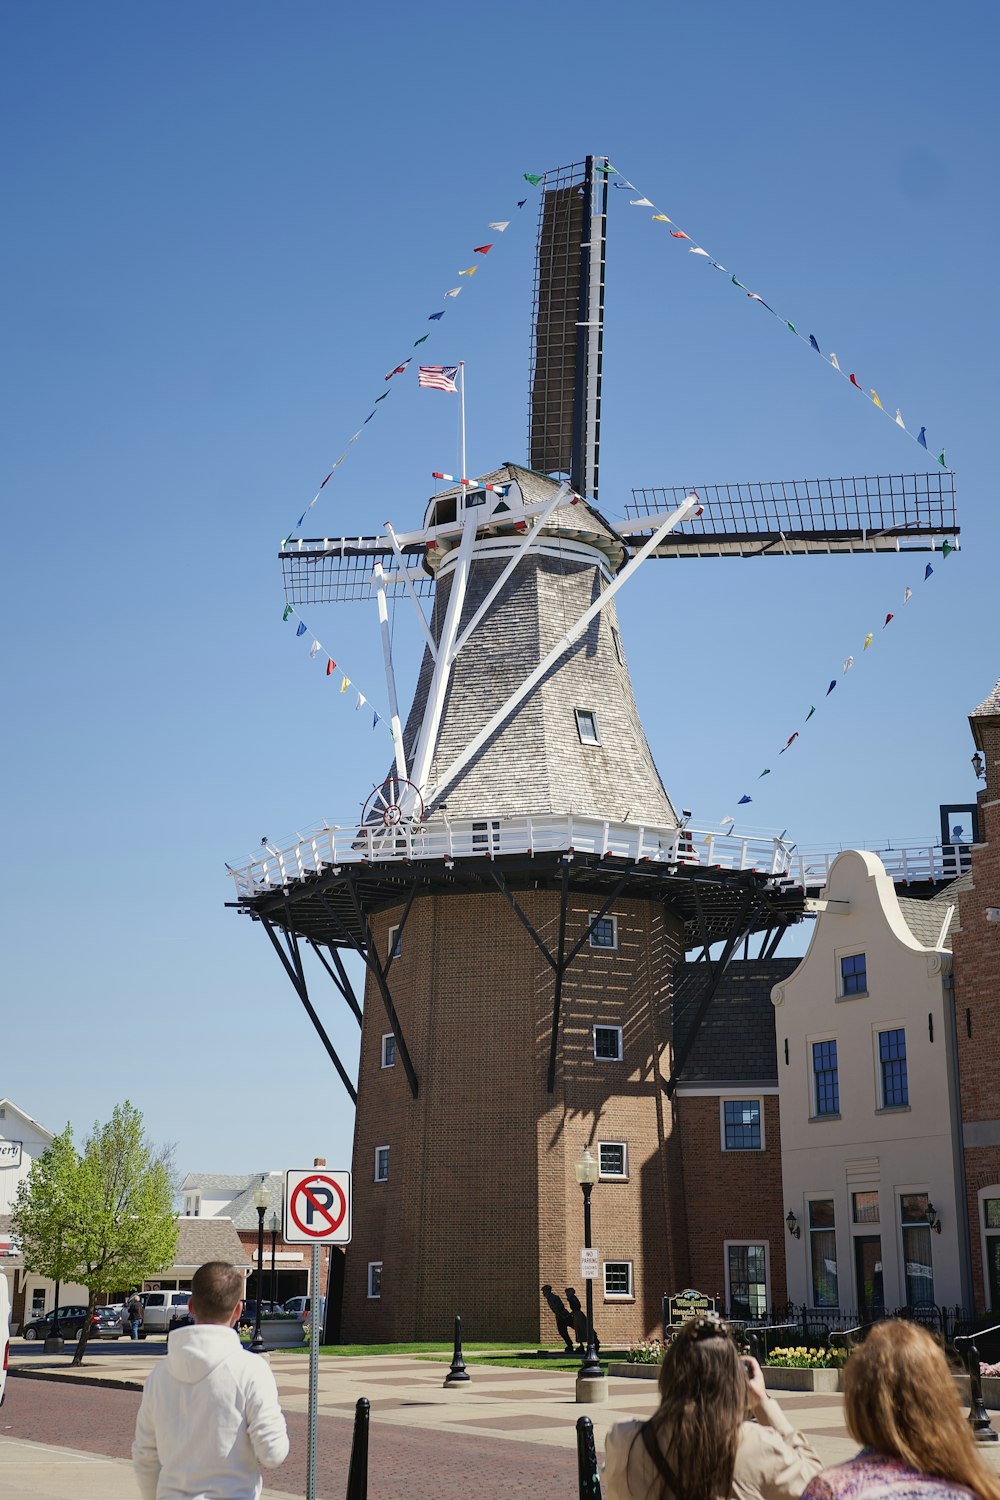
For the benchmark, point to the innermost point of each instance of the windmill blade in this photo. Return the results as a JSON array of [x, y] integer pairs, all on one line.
[[328, 570], [873, 513]]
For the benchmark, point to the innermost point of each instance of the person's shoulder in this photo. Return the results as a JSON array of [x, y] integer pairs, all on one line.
[[622, 1433]]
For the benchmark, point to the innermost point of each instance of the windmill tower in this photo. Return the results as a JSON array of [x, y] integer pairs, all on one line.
[[521, 887]]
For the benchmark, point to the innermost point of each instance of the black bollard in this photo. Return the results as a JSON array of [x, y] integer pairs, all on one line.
[[586, 1460], [458, 1374], [357, 1475], [979, 1417]]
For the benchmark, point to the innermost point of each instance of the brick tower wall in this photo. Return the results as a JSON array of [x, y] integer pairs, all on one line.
[[481, 1206], [975, 971]]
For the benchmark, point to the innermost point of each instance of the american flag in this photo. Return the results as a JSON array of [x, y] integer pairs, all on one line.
[[438, 377]]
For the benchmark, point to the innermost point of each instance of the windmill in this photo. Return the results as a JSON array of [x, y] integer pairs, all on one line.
[[519, 885]]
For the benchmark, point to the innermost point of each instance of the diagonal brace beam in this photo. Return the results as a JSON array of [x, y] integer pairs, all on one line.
[[297, 976], [378, 972], [718, 968], [340, 978]]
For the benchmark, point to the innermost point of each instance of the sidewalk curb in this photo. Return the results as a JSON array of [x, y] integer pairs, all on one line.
[[62, 1377]]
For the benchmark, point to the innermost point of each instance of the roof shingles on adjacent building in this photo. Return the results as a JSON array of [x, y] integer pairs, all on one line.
[[990, 706], [735, 1044], [933, 921], [201, 1240]]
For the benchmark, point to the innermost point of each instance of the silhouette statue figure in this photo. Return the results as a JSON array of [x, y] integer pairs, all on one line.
[[580, 1321], [564, 1318]]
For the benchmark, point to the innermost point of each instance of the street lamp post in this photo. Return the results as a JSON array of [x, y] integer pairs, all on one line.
[[591, 1371], [274, 1224], [261, 1198]]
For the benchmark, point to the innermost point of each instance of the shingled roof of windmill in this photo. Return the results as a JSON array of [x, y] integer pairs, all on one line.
[[537, 762]]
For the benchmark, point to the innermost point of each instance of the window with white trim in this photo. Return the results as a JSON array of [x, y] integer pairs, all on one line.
[[918, 1262], [823, 1252], [742, 1125], [990, 1211], [604, 933], [381, 1163], [395, 942], [608, 1043], [746, 1279], [374, 1279], [854, 974], [612, 1157], [618, 1278], [894, 1088], [388, 1050], [586, 726]]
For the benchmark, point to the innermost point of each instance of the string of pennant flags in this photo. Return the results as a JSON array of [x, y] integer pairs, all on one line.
[[498, 227], [619, 180], [728, 821], [317, 649]]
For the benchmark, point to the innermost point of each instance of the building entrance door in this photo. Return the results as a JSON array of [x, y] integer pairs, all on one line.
[[993, 1269], [868, 1276]]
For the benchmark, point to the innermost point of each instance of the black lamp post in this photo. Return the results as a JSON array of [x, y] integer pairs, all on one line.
[[274, 1224], [261, 1198], [587, 1169]]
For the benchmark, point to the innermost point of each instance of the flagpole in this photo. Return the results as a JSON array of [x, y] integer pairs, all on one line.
[[461, 386]]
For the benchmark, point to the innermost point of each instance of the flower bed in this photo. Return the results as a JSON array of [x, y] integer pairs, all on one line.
[[648, 1352], [804, 1357]]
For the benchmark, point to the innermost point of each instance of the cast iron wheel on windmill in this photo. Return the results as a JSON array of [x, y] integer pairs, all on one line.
[[521, 912]]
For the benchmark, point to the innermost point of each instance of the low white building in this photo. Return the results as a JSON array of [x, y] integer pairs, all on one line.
[[870, 1128], [22, 1139]]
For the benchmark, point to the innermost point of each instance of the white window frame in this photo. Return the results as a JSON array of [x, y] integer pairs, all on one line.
[[814, 1115], [591, 714], [992, 1191], [603, 1026], [395, 943], [816, 1196], [753, 1097], [385, 1177], [621, 1176], [852, 952], [387, 1037], [766, 1246], [374, 1265], [901, 1191], [878, 1027], [628, 1296], [611, 947]]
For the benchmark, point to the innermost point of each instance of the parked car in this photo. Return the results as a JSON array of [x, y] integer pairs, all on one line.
[[159, 1307], [302, 1307], [249, 1313], [71, 1320], [179, 1320], [4, 1334], [107, 1322]]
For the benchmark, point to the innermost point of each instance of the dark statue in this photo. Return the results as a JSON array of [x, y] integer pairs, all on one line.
[[564, 1318], [580, 1321]]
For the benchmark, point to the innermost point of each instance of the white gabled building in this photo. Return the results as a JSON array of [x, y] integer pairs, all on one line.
[[22, 1139], [870, 1127]]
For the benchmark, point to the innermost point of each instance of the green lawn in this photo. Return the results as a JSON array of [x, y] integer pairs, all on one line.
[[517, 1361], [440, 1347]]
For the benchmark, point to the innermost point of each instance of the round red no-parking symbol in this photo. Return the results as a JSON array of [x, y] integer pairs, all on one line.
[[318, 1206]]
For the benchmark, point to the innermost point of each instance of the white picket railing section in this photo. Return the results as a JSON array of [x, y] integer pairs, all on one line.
[[442, 838]]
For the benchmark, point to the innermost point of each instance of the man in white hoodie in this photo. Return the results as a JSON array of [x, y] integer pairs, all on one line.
[[209, 1418]]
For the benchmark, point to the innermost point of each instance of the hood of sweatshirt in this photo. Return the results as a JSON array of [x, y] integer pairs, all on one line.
[[195, 1351]]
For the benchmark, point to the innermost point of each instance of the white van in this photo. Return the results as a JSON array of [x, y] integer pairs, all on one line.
[[159, 1307], [4, 1333]]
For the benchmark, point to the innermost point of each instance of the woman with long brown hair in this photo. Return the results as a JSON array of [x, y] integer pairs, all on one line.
[[901, 1403], [699, 1445]]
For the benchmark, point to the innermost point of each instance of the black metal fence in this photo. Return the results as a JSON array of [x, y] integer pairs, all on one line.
[[818, 1327]]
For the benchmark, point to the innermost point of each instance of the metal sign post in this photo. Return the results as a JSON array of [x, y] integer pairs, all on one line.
[[314, 1331], [317, 1210]]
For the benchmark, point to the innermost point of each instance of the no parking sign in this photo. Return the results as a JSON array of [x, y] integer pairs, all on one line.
[[317, 1207]]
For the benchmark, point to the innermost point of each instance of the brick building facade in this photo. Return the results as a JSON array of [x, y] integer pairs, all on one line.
[[976, 956]]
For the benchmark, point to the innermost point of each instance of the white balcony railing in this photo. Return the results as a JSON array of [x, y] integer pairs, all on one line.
[[441, 838]]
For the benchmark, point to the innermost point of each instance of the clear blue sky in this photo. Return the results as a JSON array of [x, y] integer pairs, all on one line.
[[223, 224]]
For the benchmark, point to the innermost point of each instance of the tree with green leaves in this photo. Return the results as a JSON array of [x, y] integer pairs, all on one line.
[[103, 1217]]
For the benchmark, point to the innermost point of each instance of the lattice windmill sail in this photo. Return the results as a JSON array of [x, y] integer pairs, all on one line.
[[520, 885]]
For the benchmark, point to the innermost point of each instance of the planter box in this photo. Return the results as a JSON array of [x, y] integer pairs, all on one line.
[[637, 1372], [777, 1378], [282, 1333]]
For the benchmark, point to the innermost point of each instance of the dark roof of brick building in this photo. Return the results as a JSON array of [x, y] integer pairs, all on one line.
[[735, 1044]]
